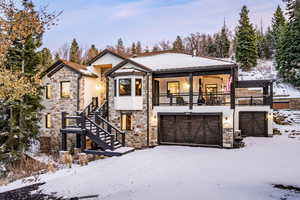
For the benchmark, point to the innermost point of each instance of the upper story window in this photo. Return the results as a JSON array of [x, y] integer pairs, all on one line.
[[48, 91], [65, 89], [138, 87], [48, 120], [125, 87]]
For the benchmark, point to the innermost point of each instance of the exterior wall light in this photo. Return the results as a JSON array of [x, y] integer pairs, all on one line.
[[227, 123], [270, 116], [98, 87]]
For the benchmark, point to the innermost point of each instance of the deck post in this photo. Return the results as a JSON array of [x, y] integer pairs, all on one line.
[[83, 142], [265, 94], [63, 120], [64, 141], [78, 141], [271, 95], [232, 88], [191, 91]]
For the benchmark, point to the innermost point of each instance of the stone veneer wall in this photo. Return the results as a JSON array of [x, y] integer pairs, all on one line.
[[138, 136], [56, 105]]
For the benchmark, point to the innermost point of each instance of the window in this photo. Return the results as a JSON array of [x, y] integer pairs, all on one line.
[[48, 91], [173, 87], [115, 88], [48, 121], [125, 87], [126, 121], [211, 89], [65, 89], [138, 87]]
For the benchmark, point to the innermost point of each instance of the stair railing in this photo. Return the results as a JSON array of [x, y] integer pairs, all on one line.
[[91, 107], [102, 110], [113, 130], [107, 134]]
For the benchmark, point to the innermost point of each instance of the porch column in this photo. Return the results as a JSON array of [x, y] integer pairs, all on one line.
[[232, 88], [191, 90], [271, 94], [265, 94]]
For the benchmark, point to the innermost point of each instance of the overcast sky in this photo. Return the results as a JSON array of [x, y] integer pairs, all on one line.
[[102, 22]]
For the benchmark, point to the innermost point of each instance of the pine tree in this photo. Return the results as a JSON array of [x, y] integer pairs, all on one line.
[[139, 47], [278, 23], [120, 46], [246, 47], [74, 52], [288, 56], [133, 48], [211, 47], [224, 43], [92, 52], [46, 58], [178, 44]]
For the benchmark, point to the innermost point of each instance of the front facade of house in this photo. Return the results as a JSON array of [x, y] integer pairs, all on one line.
[[163, 98]]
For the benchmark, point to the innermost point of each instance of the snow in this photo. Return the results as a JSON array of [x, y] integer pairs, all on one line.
[[176, 172], [265, 70], [167, 61]]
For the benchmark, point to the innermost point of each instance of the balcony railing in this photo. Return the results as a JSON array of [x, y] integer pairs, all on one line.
[[253, 100], [183, 99]]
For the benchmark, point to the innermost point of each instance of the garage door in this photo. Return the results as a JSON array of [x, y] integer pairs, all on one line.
[[191, 129], [253, 124]]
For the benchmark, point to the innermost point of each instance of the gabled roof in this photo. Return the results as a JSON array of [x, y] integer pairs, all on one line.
[[142, 67], [81, 69], [104, 52]]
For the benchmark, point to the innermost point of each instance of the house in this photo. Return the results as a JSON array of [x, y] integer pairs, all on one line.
[[150, 99]]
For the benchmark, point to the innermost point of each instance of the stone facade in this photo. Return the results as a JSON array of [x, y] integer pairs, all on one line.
[[56, 105], [138, 136]]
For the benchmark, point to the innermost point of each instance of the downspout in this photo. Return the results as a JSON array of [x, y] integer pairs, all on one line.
[[107, 97], [78, 92], [148, 114]]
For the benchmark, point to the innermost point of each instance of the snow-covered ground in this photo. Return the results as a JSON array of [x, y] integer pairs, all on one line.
[[175, 172]]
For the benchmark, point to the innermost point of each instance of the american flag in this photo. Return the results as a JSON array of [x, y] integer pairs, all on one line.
[[227, 89]]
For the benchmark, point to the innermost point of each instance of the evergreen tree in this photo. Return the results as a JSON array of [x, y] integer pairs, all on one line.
[[92, 52], [211, 47], [278, 23], [155, 48], [246, 47], [74, 52], [224, 43], [21, 125], [139, 47], [133, 48], [120, 46], [288, 56], [178, 44], [46, 58]]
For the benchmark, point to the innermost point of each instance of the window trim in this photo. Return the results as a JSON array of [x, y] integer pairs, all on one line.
[[115, 87], [48, 88], [135, 86], [121, 121], [46, 121], [129, 87], [61, 89]]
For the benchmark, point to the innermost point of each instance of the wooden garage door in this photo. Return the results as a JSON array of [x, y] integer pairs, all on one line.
[[253, 124], [191, 129]]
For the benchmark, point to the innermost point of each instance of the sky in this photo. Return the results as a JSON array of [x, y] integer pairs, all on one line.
[[102, 22]]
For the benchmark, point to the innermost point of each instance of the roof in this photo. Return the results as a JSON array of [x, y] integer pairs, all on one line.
[[82, 69], [172, 61], [104, 52], [142, 67]]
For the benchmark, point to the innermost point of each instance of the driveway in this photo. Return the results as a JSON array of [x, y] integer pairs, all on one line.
[[175, 172]]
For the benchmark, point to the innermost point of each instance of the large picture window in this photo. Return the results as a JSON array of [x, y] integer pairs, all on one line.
[[65, 89], [126, 121], [48, 121], [138, 87], [125, 87], [173, 87], [48, 91]]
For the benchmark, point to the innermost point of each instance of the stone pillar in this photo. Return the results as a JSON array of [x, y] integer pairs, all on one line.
[[228, 137]]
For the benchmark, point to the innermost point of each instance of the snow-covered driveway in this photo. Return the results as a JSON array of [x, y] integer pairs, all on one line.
[[174, 172]]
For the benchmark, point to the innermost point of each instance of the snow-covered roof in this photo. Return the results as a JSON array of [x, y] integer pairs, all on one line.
[[169, 61]]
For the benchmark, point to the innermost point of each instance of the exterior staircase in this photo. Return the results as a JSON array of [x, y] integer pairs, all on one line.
[[92, 122], [296, 117]]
